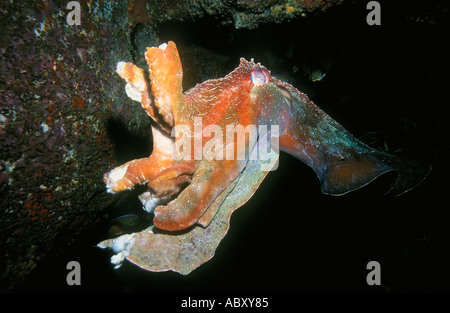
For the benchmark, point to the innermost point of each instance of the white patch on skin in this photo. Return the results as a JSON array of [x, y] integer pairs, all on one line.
[[121, 246], [163, 46], [150, 202], [117, 260], [119, 67], [117, 173], [133, 92], [114, 176]]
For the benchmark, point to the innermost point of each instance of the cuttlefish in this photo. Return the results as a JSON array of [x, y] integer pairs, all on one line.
[[196, 176]]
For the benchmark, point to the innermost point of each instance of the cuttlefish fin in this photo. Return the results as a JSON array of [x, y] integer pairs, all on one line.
[[341, 162], [410, 173], [342, 176]]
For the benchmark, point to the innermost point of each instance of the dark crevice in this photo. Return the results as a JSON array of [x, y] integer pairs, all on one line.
[[128, 145], [133, 48]]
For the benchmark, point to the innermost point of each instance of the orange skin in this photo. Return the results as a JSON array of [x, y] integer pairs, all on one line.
[[163, 174], [247, 96]]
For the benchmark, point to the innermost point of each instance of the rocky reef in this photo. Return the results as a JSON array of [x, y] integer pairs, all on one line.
[[57, 94], [241, 14]]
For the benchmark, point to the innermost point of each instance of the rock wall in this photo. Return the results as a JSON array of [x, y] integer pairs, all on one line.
[[60, 107]]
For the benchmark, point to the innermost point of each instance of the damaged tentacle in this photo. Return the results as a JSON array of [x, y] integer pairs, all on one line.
[[137, 88], [166, 76], [141, 171], [150, 201]]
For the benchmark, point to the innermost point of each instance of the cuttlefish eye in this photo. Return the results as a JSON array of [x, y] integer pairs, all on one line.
[[259, 77]]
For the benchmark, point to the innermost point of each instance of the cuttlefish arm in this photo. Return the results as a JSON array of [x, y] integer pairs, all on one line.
[[161, 100], [161, 171], [216, 189], [233, 102], [182, 252]]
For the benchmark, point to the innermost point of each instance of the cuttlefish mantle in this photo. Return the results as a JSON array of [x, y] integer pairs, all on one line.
[[192, 195]]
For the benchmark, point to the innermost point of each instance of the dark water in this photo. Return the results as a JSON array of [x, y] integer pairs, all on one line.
[[389, 81]]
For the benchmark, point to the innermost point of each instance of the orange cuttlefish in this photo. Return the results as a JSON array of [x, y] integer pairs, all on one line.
[[196, 178]]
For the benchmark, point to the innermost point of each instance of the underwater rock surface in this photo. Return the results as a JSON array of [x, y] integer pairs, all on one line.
[[57, 95], [242, 14]]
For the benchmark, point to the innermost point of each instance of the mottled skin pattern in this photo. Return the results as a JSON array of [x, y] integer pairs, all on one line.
[[246, 96], [231, 100]]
